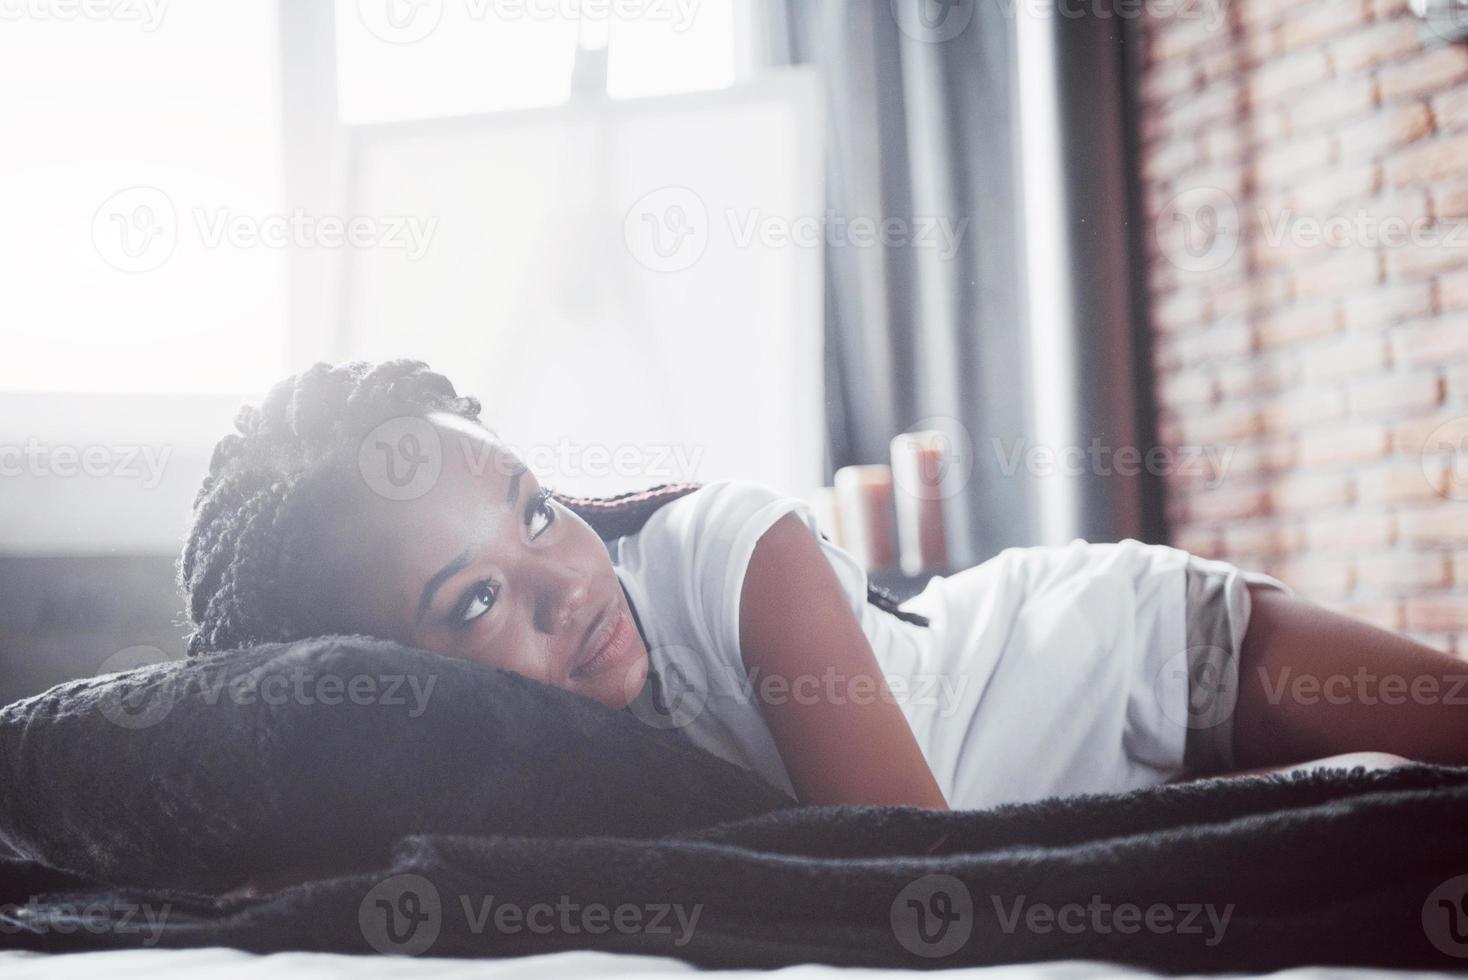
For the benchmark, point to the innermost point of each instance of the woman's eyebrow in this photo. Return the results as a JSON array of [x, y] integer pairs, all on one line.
[[454, 567]]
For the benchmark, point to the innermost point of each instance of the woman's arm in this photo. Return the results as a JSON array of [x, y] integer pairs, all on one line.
[[840, 733]]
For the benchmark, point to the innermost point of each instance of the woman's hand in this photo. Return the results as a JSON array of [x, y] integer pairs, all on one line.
[[840, 732]]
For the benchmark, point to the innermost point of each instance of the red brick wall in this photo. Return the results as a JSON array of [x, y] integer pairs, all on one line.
[[1324, 366]]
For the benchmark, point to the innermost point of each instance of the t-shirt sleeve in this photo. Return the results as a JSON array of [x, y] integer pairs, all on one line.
[[717, 531]]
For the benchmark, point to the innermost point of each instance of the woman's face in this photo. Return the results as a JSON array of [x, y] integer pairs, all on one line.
[[484, 567]]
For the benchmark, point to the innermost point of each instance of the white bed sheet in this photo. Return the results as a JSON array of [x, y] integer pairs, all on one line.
[[229, 964]]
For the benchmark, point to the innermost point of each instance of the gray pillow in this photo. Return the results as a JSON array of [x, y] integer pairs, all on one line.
[[314, 757]]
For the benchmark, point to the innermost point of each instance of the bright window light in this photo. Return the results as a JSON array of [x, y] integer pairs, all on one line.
[[128, 141]]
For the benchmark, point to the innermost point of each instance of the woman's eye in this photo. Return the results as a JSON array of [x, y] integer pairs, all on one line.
[[477, 602], [542, 514]]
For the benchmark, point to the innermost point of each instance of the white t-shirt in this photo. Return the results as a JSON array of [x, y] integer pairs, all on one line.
[[1042, 672]]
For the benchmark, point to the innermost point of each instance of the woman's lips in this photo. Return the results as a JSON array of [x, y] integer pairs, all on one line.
[[612, 646]]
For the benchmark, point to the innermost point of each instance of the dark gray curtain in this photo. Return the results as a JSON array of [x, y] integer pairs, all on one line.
[[922, 127]]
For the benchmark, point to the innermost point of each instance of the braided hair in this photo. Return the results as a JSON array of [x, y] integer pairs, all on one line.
[[275, 483]]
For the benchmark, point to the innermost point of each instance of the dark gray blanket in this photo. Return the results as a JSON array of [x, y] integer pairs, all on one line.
[[1255, 874]]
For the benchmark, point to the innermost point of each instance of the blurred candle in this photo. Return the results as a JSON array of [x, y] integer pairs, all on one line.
[[918, 468], [822, 502], [864, 508]]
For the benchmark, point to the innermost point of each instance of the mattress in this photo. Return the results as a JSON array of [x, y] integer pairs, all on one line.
[[213, 963]]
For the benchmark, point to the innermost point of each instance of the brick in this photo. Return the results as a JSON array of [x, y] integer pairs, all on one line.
[[1299, 493], [1256, 376], [1391, 127], [1229, 503], [1388, 304], [1201, 541], [1295, 324], [1347, 269], [1427, 161], [1304, 409], [1438, 436], [1260, 47], [1179, 310], [1170, 158], [1443, 523], [1168, 80], [1350, 531], [1351, 355], [1362, 50], [1396, 394], [1278, 162], [1457, 385], [1262, 457], [1182, 388], [1331, 102], [1259, 291], [1436, 614], [1225, 62], [1223, 144], [1180, 37], [1450, 202], [1432, 248], [1387, 9], [1432, 71], [1317, 193], [1382, 613], [1283, 75], [1431, 342], [1256, 13], [1210, 426], [1450, 109], [1452, 291], [1308, 24], [1460, 568], [1318, 577], [1357, 443], [1259, 538], [1399, 483], [1404, 570], [1218, 340]]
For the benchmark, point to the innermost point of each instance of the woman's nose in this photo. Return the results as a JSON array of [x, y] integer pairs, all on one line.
[[564, 597]]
